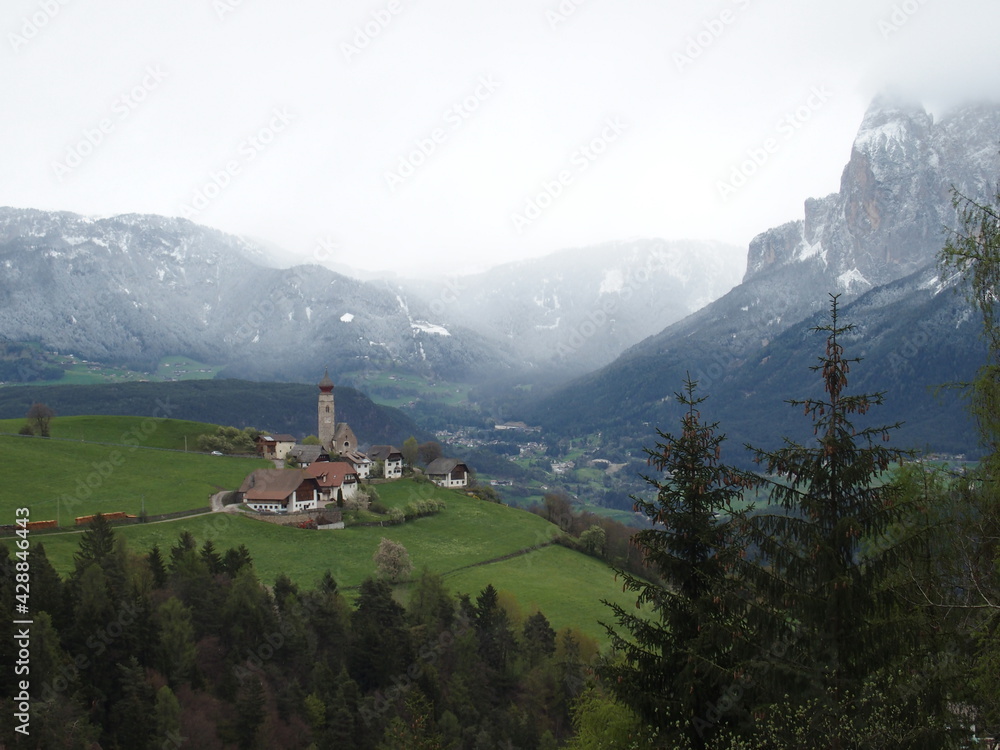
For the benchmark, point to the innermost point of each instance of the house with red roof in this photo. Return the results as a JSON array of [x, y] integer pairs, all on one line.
[[337, 480]]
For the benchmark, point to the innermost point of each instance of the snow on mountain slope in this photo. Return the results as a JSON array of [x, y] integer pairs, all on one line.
[[577, 309]]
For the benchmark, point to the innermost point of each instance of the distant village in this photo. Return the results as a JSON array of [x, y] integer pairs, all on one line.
[[330, 472]]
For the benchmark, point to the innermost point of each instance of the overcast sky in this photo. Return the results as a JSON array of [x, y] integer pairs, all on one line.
[[427, 135]]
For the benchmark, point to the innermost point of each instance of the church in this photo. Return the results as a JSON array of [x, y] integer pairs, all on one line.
[[336, 437]]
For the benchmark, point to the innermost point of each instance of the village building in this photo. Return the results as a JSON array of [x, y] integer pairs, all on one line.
[[361, 463], [304, 455], [343, 440], [335, 437], [391, 458], [274, 447], [330, 472], [280, 491], [448, 472], [337, 480]]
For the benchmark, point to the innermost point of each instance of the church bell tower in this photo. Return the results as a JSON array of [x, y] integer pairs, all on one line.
[[327, 420]]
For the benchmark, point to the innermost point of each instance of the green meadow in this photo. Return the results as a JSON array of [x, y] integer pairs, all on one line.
[[79, 372], [128, 464], [459, 543], [172, 434], [107, 464]]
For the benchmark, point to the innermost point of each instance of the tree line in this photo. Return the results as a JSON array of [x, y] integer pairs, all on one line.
[[186, 647]]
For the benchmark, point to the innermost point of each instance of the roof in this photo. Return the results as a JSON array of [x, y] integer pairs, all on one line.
[[325, 385], [355, 457], [272, 484], [331, 473], [278, 438], [307, 453], [342, 431], [441, 466], [382, 452]]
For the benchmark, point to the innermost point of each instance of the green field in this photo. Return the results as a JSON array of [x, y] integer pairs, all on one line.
[[107, 464], [566, 585], [399, 389], [124, 466], [82, 372], [173, 434], [582, 582]]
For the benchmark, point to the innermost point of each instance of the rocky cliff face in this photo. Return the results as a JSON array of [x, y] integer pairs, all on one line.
[[885, 224], [887, 220]]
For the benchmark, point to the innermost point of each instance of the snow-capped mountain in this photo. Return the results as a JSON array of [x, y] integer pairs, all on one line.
[[132, 289], [886, 223], [886, 220], [578, 309]]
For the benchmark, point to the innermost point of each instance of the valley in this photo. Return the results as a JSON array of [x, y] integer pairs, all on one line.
[[776, 511]]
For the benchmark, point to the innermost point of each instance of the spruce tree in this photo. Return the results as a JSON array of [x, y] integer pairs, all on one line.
[[681, 653], [156, 567], [829, 600]]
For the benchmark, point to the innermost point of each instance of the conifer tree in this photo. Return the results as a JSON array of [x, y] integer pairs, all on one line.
[[830, 600], [185, 543], [97, 544], [47, 590], [675, 662], [176, 653], [211, 558], [250, 712], [157, 567], [496, 641]]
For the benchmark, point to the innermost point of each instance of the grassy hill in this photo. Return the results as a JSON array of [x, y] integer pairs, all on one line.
[[126, 464], [104, 464], [171, 434], [279, 407], [461, 543]]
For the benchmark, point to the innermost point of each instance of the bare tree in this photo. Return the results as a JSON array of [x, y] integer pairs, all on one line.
[[39, 417]]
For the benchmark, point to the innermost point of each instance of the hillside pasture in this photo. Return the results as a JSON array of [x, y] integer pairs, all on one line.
[[148, 432], [128, 468], [459, 543]]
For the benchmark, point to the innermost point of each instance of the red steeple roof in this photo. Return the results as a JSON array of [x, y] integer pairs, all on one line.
[[326, 385]]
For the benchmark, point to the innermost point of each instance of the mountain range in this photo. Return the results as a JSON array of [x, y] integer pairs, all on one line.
[[132, 289], [616, 327], [576, 310], [875, 243]]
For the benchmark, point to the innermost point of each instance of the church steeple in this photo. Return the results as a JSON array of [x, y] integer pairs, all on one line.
[[326, 385], [327, 414]]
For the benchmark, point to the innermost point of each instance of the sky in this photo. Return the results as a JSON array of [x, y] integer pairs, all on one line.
[[424, 137]]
